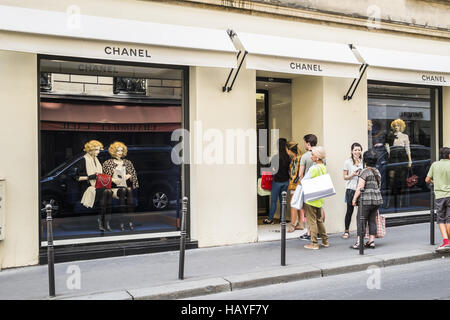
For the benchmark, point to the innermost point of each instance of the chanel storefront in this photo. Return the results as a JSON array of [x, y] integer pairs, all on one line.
[[119, 95]]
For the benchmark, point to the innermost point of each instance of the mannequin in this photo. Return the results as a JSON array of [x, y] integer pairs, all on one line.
[[397, 177], [124, 179], [88, 168]]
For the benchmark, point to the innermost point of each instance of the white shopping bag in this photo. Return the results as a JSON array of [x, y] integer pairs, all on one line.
[[297, 198], [318, 188]]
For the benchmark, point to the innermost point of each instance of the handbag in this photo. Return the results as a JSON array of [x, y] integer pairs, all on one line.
[[381, 226], [103, 181], [266, 180], [318, 188], [261, 191], [412, 179]]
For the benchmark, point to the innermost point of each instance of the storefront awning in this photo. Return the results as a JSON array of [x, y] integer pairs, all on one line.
[[406, 67], [77, 35], [297, 56]]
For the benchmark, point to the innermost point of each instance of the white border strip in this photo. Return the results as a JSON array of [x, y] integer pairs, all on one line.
[[112, 238], [404, 214]]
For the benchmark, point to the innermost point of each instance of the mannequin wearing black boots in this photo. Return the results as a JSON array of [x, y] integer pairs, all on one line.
[[124, 180], [87, 169]]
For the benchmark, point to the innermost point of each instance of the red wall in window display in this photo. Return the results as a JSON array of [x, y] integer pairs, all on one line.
[[87, 117]]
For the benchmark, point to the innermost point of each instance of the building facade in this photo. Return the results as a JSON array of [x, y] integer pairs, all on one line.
[[194, 90]]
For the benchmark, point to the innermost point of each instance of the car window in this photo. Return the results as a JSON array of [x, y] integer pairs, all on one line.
[[148, 160]]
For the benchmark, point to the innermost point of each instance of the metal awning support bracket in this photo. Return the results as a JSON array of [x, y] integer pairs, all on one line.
[[232, 34], [362, 70]]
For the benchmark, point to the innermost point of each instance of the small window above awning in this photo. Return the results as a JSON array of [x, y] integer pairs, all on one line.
[[298, 56], [77, 35], [406, 67]]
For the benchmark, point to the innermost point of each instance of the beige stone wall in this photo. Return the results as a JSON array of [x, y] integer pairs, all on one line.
[[19, 163], [446, 117], [223, 196]]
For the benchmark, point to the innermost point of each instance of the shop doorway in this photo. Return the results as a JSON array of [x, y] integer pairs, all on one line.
[[273, 111]]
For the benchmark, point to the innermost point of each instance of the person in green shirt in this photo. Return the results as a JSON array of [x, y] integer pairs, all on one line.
[[439, 176], [313, 208]]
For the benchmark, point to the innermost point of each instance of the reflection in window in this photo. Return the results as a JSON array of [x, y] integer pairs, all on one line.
[[399, 127], [82, 107]]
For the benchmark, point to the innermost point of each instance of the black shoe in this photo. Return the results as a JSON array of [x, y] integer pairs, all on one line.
[[305, 237], [267, 221], [100, 225]]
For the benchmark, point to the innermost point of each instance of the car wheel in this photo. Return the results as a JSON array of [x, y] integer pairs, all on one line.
[[159, 199]]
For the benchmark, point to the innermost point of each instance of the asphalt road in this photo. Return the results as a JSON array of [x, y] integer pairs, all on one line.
[[426, 280]]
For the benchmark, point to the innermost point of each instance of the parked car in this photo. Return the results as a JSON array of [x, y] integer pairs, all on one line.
[[158, 176], [421, 162]]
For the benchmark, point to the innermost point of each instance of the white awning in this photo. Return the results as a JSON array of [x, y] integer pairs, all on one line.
[[60, 33], [291, 55], [406, 67]]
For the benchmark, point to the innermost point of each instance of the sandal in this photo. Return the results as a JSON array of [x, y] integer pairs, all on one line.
[[370, 244], [346, 235], [293, 227], [355, 246]]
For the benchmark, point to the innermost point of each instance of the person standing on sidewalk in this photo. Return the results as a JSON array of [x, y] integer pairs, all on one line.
[[439, 176], [306, 162], [313, 208], [294, 180], [370, 181], [280, 168], [352, 167]]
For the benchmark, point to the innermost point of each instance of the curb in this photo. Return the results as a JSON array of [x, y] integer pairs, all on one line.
[[199, 287]]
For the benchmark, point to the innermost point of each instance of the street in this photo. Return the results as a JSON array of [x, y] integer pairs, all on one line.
[[426, 280]]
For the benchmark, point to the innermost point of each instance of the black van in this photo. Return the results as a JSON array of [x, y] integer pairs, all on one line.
[[159, 178]]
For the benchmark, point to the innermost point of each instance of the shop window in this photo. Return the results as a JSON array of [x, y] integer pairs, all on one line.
[[400, 129], [83, 110]]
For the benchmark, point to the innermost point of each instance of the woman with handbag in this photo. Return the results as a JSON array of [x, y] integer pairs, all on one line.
[[280, 169], [369, 180], [352, 167], [96, 187], [297, 218]]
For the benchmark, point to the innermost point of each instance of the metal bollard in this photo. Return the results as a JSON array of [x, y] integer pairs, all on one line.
[[182, 239], [50, 250], [283, 228], [362, 224], [432, 214]]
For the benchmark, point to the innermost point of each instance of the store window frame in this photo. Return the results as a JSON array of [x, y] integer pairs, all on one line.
[[436, 113], [185, 184]]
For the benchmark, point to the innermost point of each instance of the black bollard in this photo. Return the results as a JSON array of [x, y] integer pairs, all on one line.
[[362, 232], [50, 251], [432, 214], [182, 239], [283, 228]]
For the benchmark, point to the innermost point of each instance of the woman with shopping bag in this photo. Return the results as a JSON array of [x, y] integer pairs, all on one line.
[[369, 180], [313, 208]]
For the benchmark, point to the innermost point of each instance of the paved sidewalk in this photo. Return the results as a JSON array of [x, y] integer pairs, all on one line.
[[218, 269]]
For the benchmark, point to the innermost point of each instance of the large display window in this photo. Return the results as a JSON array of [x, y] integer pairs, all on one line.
[[401, 130], [106, 149]]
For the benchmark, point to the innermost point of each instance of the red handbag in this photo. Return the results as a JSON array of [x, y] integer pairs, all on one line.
[[103, 181], [412, 179], [266, 180]]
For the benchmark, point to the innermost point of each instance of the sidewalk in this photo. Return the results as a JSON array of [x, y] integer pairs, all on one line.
[[218, 269]]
